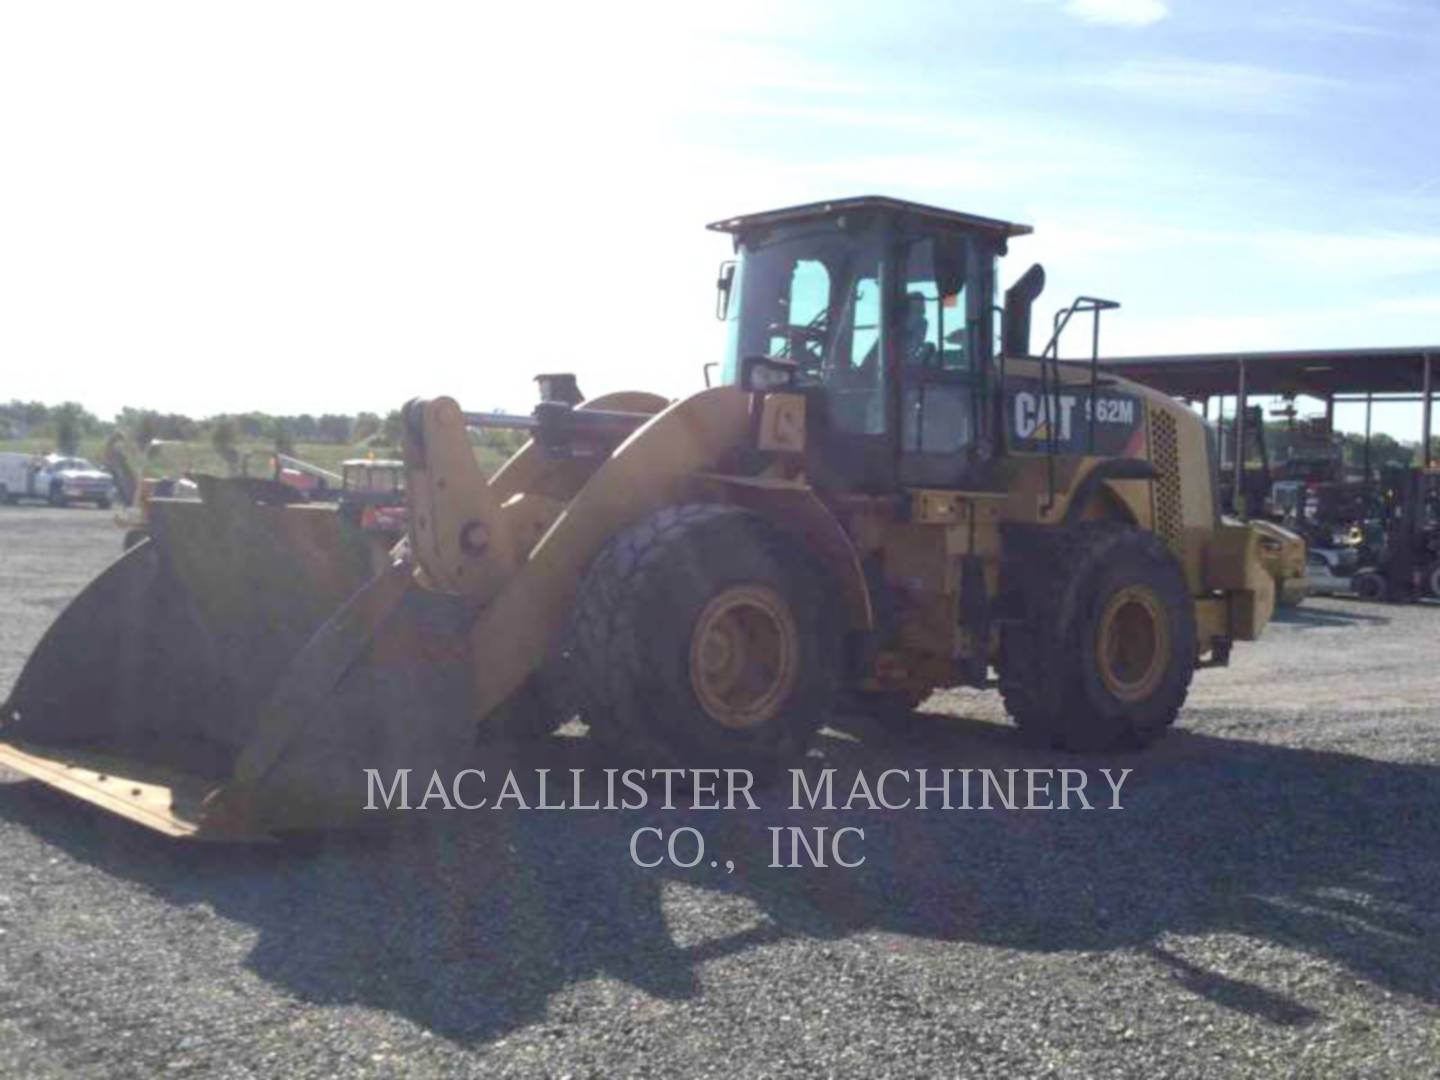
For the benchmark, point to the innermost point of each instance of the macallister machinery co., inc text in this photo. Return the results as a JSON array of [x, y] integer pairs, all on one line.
[[698, 790]]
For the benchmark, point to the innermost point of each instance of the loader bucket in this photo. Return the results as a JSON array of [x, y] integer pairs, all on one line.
[[233, 675]]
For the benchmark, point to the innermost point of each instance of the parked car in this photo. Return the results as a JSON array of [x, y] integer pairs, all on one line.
[[1329, 571], [57, 478]]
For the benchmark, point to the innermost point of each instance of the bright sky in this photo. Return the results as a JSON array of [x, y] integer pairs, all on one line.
[[333, 207]]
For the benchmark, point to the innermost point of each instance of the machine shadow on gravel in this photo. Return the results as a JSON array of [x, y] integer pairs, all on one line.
[[469, 923], [1307, 618]]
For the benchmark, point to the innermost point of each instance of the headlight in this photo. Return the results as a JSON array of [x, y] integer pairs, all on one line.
[[759, 374]]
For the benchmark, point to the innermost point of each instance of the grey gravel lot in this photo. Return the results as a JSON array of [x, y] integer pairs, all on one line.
[[1266, 903]]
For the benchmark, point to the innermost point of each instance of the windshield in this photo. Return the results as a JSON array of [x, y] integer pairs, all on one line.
[[74, 464], [810, 295], [938, 326]]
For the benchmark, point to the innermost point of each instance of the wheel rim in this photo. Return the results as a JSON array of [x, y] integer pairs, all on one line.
[[1133, 645], [743, 656]]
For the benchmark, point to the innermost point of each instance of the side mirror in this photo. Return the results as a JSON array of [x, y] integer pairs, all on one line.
[[951, 258], [723, 285], [761, 374]]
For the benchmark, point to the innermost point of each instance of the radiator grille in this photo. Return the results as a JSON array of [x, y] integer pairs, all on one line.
[[1165, 456]]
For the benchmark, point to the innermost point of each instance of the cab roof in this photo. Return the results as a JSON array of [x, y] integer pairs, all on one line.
[[833, 207]]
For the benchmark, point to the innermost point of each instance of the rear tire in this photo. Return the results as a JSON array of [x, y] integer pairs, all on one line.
[[1432, 581], [703, 638], [57, 497], [1104, 655]]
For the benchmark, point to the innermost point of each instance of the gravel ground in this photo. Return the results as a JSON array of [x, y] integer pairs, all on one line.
[[1266, 903]]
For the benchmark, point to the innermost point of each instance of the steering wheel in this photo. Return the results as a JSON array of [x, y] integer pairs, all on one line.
[[800, 339], [959, 337], [812, 333]]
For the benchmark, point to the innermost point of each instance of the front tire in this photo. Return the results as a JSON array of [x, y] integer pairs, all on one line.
[[1103, 657], [704, 638]]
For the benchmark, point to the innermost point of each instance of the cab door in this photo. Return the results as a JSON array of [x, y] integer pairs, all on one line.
[[853, 445], [943, 357]]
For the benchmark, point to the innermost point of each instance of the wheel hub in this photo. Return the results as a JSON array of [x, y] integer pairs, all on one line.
[[744, 656], [1134, 643]]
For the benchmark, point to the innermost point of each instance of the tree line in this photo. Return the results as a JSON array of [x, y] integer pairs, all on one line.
[[1285, 440], [69, 423]]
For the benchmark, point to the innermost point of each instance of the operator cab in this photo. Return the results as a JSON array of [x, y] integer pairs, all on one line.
[[881, 312]]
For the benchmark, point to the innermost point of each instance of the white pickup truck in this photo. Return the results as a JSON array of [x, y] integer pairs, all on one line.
[[56, 478]]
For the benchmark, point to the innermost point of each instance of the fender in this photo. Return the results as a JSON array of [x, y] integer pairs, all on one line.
[[796, 509], [512, 635], [1092, 485]]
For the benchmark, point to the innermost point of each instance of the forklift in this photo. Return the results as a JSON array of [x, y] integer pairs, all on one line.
[[1408, 566]]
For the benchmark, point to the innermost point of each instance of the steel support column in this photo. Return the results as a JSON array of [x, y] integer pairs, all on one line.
[[1369, 402], [1240, 423], [1427, 390]]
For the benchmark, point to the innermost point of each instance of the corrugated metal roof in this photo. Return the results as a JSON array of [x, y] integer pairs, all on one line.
[[1316, 372]]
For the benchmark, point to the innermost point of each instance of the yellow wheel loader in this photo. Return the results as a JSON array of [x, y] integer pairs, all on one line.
[[884, 493]]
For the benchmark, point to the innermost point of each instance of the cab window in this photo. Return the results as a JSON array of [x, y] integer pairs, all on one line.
[[939, 339], [802, 310], [811, 296]]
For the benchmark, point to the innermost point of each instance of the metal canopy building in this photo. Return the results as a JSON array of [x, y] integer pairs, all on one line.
[[1388, 374]]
